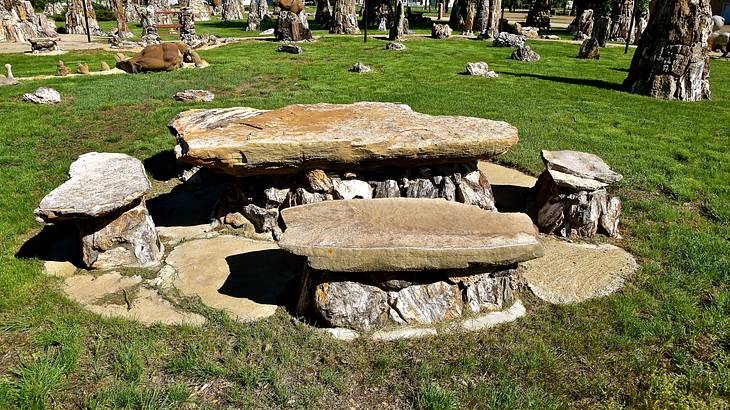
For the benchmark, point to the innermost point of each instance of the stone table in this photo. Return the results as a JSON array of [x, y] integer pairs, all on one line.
[[400, 261], [105, 198]]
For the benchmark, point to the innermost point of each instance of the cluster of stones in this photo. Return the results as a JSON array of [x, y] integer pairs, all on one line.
[[440, 31], [306, 154], [105, 198], [392, 262], [570, 197], [19, 22]]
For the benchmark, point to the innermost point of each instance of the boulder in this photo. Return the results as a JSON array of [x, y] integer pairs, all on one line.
[[395, 46], [505, 39], [525, 53], [589, 49], [291, 26], [290, 48], [401, 234], [104, 196], [160, 57], [580, 164], [194, 95], [440, 31], [480, 68], [43, 95], [245, 141], [360, 68]]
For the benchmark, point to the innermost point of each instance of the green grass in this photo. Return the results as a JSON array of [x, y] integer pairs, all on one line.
[[662, 342]]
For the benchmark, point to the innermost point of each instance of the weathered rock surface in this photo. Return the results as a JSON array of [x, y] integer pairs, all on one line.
[[114, 295], [292, 26], [573, 272], [99, 183], [492, 319], [480, 68], [360, 68], [395, 46], [440, 31], [290, 48], [194, 95], [589, 49], [580, 164], [525, 53], [43, 95], [245, 141], [406, 234], [246, 279], [505, 39]]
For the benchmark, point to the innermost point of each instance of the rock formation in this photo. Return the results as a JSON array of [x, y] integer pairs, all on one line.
[[160, 57], [290, 48], [570, 197], [601, 30], [344, 17], [121, 16], [525, 53], [194, 95], [476, 16], [621, 21], [399, 28], [323, 14], [440, 31], [19, 22], [105, 198], [395, 46], [480, 68], [672, 60], [505, 39], [258, 13], [232, 10], [583, 26], [148, 19], [292, 26], [589, 49], [539, 15], [75, 20], [360, 68]]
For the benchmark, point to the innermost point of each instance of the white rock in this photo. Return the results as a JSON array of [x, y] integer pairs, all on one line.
[[492, 319], [352, 188], [341, 333], [43, 95], [404, 333]]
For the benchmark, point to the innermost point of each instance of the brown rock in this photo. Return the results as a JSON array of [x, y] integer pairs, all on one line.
[[401, 234], [244, 141], [319, 181]]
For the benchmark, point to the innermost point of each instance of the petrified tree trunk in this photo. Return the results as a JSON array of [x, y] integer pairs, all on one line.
[[217, 6], [254, 22], [118, 7], [487, 18], [344, 19], [400, 24], [292, 26], [539, 15], [672, 60], [621, 21], [232, 10], [601, 28], [380, 13], [323, 15], [75, 23]]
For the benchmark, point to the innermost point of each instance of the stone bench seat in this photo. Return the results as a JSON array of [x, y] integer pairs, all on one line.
[[105, 197], [401, 261]]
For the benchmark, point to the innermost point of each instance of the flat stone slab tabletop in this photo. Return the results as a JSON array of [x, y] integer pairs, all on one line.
[[99, 183], [404, 234], [580, 165], [246, 141]]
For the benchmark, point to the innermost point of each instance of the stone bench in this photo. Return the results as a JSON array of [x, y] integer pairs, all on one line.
[[44, 45], [397, 261], [105, 198], [570, 197], [310, 153]]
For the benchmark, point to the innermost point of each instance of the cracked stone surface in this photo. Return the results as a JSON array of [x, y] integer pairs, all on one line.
[[574, 272]]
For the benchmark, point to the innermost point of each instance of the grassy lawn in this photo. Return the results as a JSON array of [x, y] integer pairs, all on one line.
[[661, 342]]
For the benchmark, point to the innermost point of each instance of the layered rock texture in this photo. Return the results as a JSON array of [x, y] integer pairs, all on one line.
[[570, 197], [292, 26], [672, 59], [245, 141], [388, 262], [76, 22], [104, 197], [20, 23]]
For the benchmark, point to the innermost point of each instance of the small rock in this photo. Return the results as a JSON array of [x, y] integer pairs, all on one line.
[[104, 66], [589, 50], [395, 46], [530, 32], [290, 48], [236, 220], [194, 95], [59, 269], [265, 220], [61, 69], [440, 31], [267, 32], [505, 39], [360, 68], [580, 164], [319, 181], [82, 68], [351, 189], [43, 95], [489, 320], [550, 37], [276, 196], [480, 68], [341, 333], [525, 53], [387, 189], [421, 188]]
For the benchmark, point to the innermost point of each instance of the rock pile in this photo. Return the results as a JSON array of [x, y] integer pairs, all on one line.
[[391, 262], [480, 68], [570, 197], [525, 53], [105, 198], [440, 31], [310, 153]]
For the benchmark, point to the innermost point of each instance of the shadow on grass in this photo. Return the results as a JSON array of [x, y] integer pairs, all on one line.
[[575, 81], [267, 276], [59, 242]]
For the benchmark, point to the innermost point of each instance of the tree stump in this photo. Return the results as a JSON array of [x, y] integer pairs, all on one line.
[[344, 19], [400, 25], [292, 27], [672, 60]]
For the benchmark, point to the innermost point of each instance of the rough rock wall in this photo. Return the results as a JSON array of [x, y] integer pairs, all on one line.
[[671, 60], [75, 22], [19, 22]]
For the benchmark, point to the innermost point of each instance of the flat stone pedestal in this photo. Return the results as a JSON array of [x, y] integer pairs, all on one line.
[[570, 197], [104, 197], [401, 261]]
